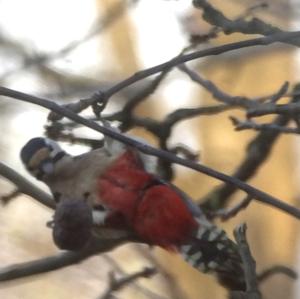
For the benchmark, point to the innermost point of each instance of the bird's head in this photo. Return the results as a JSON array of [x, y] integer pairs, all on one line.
[[39, 156]]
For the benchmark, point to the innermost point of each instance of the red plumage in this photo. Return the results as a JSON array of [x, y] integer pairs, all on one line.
[[153, 210], [131, 199], [121, 184], [163, 219]]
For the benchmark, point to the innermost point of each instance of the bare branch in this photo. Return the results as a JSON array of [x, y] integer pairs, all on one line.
[[281, 92], [254, 26], [5, 199], [185, 151], [60, 260], [25, 186], [258, 151], [291, 109], [147, 149], [278, 269], [118, 284], [226, 214], [219, 95], [76, 107], [102, 97], [176, 292], [251, 125], [232, 101], [56, 131], [145, 290], [197, 39], [252, 291], [125, 116]]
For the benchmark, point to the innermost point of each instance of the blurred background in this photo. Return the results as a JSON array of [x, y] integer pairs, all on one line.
[[66, 50]]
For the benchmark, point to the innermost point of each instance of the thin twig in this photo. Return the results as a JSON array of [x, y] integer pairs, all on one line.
[[252, 291], [175, 290], [226, 214], [251, 125], [217, 93], [258, 151], [102, 97], [254, 26], [5, 199], [117, 284], [145, 290], [278, 269], [233, 101]]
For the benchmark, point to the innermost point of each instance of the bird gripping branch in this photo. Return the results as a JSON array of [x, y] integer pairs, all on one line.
[[116, 186]]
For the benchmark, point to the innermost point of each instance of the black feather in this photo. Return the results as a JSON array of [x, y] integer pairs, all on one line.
[[31, 147]]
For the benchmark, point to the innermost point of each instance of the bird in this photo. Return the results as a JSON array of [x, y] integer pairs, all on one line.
[[117, 186]]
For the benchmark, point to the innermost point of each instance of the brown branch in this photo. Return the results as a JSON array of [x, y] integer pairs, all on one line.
[[117, 284], [278, 269], [233, 101], [252, 279], [254, 26], [145, 290], [218, 94], [252, 291], [26, 187], [125, 116], [102, 97], [196, 39], [98, 245], [56, 131], [176, 292], [258, 151], [5, 199], [76, 107], [147, 149], [226, 214], [60, 260], [162, 129], [291, 109], [251, 125], [185, 151]]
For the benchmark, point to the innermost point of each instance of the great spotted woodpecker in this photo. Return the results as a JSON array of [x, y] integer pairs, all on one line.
[[115, 186]]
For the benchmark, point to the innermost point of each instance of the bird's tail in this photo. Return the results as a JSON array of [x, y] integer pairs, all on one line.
[[210, 250]]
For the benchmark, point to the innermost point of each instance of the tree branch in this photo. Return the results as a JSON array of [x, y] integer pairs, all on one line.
[[102, 97], [118, 284], [147, 149], [26, 187], [226, 214], [278, 269], [251, 125], [60, 260], [258, 151], [254, 26], [252, 291]]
